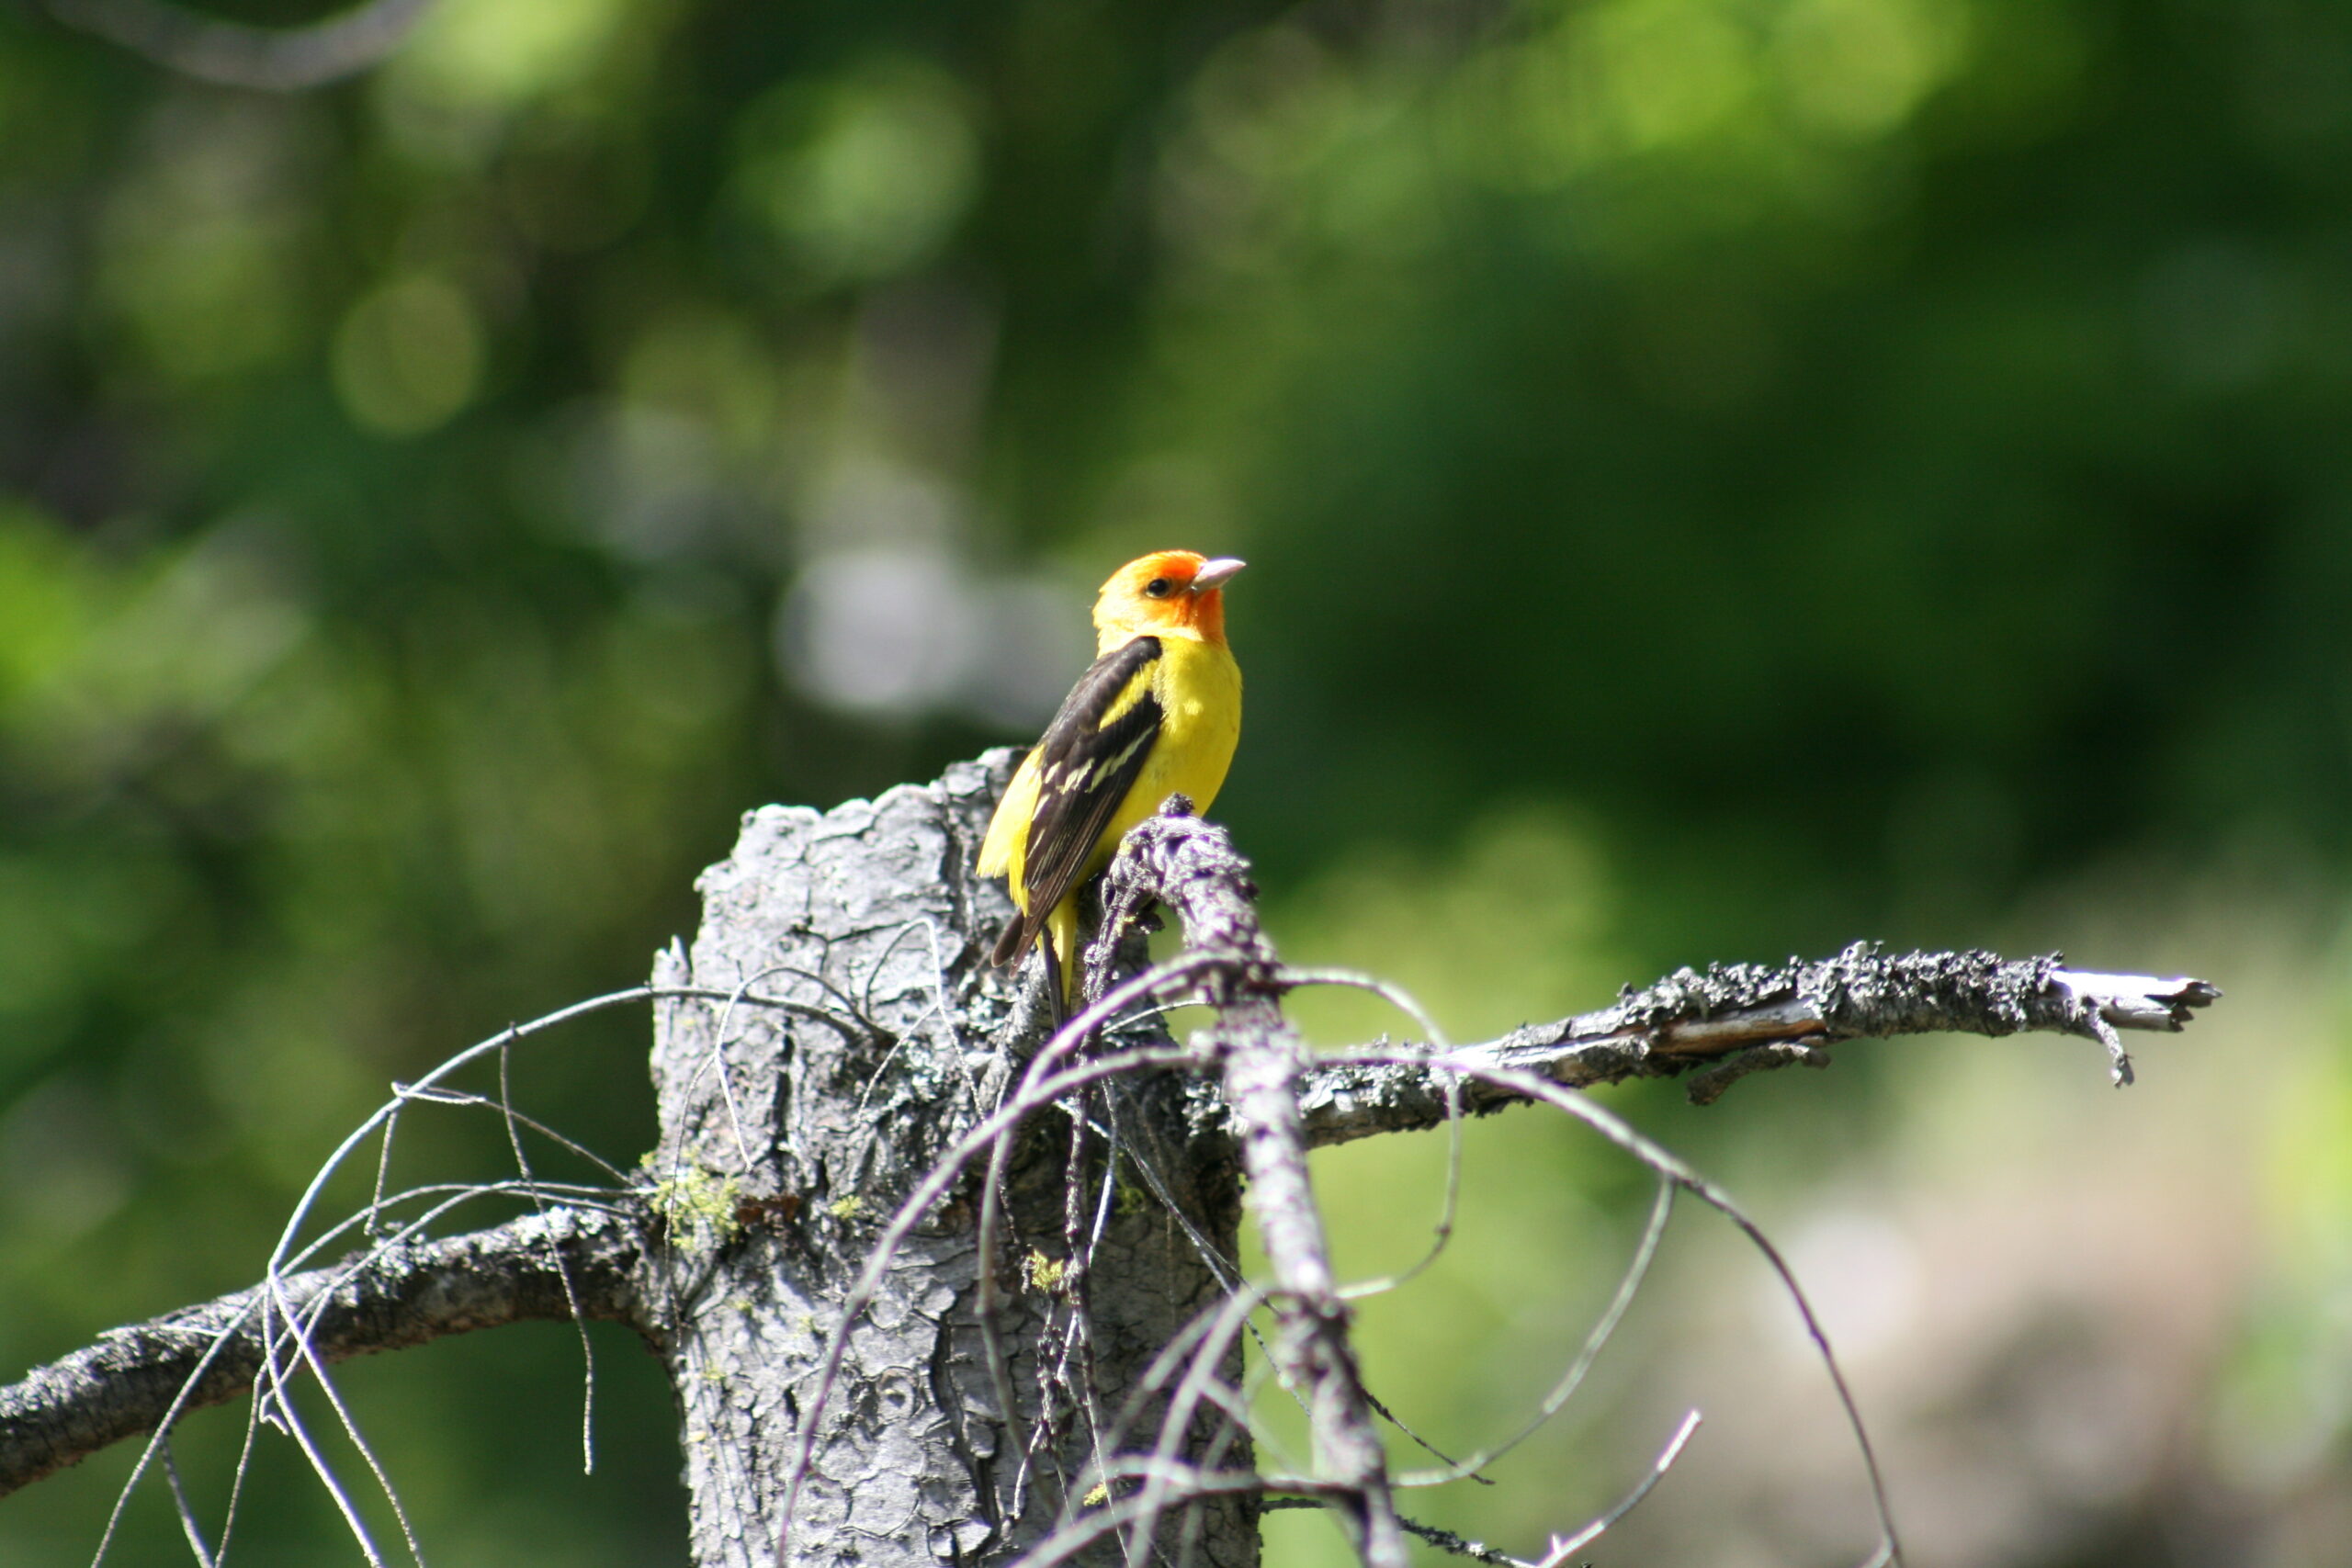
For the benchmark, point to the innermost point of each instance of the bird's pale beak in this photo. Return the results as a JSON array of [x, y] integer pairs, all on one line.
[[1212, 573]]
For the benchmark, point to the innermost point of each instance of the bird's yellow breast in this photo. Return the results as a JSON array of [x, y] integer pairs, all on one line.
[[1198, 686]]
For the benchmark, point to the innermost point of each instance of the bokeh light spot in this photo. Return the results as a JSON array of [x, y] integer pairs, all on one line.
[[1858, 68], [861, 177], [1670, 71], [494, 53], [885, 631], [408, 356]]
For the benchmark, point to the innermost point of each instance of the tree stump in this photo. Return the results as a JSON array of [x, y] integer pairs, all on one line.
[[791, 1133]]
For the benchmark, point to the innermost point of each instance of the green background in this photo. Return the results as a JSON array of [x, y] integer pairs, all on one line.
[[1722, 478]]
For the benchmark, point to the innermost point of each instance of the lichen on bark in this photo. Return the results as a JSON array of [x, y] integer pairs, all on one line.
[[868, 920]]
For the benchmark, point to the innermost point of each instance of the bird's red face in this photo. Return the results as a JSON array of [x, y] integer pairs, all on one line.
[[1168, 592]]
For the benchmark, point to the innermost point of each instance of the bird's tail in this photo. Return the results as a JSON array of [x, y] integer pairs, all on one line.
[[1013, 942], [1059, 928]]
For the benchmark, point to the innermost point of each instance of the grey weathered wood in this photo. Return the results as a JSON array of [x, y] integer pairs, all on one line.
[[1194, 866], [870, 918], [832, 1034], [539, 1268], [1739, 1018]]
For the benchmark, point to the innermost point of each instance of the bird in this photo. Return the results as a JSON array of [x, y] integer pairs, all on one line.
[[1157, 713]]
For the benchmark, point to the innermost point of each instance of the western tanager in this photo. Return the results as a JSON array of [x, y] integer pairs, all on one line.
[[1157, 713]]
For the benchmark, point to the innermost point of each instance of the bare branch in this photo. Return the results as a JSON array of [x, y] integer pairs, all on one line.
[[238, 54], [837, 1352], [1195, 868], [1741, 1018], [536, 1268]]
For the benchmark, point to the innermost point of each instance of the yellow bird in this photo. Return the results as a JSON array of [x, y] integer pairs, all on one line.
[[1157, 713]]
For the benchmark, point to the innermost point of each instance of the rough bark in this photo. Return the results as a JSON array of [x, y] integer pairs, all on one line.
[[1742, 1017], [824, 1121], [856, 1113]]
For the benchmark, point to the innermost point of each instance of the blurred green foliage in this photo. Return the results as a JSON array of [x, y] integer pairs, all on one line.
[[1722, 477]]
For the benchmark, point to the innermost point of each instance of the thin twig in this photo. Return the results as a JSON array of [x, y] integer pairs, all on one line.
[[188, 1525], [1566, 1549]]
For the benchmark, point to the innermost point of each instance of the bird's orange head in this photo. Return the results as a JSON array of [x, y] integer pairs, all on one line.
[[1166, 594]]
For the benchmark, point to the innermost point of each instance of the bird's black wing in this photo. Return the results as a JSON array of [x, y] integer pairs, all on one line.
[[1091, 756]]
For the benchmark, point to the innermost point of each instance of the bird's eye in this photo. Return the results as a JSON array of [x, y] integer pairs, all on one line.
[[1158, 588]]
